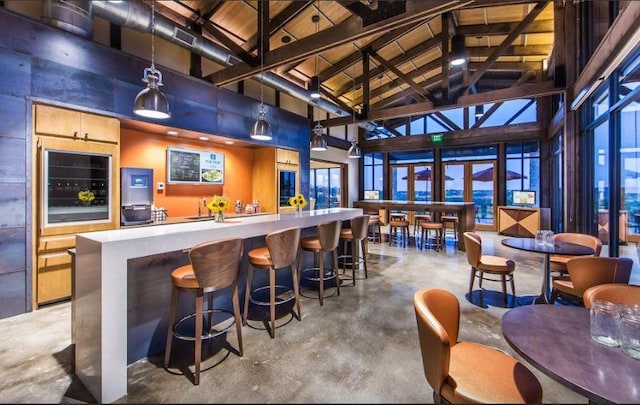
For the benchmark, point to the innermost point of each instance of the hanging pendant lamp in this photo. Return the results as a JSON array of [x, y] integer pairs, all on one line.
[[318, 143], [458, 54], [150, 102], [261, 130], [354, 151]]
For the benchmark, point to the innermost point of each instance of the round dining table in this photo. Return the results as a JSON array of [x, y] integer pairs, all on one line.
[[555, 339], [558, 248]]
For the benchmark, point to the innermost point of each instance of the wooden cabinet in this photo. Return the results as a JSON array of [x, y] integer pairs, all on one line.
[[523, 222], [270, 164], [77, 125], [287, 156], [53, 137]]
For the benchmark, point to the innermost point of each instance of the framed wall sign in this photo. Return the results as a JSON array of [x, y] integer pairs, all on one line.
[[186, 166]]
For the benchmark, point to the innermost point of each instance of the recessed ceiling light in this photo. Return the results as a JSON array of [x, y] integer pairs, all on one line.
[[172, 132], [229, 142], [203, 138]]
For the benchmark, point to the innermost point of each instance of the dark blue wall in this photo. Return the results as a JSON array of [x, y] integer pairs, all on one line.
[[42, 64]]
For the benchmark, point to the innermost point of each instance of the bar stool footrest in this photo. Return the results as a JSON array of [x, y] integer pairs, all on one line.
[[216, 329], [286, 294]]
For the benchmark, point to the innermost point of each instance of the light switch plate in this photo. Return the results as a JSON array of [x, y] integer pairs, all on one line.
[[160, 186]]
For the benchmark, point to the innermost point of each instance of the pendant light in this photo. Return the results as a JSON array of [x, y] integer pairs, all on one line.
[[458, 54], [261, 130], [479, 111], [354, 151], [150, 102], [318, 143]]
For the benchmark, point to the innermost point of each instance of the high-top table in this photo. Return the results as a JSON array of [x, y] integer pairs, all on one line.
[[122, 287], [556, 340], [466, 211], [558, 248]]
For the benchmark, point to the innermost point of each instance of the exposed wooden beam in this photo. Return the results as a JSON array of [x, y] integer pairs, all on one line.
[[514, 50], [445, 56], [523, 79], [536, 27], [417, 88], [506, 43], [340, 34], [278, 22]]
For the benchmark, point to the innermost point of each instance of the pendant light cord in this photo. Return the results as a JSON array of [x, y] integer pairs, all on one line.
[[261, 26], [153, 34]]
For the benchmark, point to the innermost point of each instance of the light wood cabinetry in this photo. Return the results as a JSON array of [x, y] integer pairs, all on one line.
[[267, 167], [523, 222], [56, 133], [77, 125]]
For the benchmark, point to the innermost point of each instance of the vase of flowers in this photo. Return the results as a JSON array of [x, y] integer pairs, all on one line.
[[298, 202], [86, 196], [218, 205]]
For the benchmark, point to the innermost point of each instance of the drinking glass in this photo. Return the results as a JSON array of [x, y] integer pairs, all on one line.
[[549, 238], [539, 237], [604, 317], [629, 330]]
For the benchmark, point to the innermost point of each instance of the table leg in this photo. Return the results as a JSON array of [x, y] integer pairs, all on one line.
[[546, 283]]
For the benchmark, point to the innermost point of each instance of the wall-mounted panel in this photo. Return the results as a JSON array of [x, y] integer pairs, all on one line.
[[13, 294], [13, 244]]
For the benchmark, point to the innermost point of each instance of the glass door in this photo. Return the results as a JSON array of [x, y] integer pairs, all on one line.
[[400, 184], [483, 193], [422, 182]]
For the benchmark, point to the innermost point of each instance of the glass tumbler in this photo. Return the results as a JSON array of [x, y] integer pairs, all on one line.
[[603, 323], [549, 238], [629, 330], [540, 237]]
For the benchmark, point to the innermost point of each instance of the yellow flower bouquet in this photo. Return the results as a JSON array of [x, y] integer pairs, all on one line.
[[86, 196], [298, 201], [219, 204]]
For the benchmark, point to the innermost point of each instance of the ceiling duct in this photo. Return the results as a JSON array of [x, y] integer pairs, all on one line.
[[137, 16], [70, 15]]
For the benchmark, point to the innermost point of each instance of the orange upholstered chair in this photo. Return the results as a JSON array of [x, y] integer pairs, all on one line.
[[589, 271], [613, 292], [558, 263], [466, 372]]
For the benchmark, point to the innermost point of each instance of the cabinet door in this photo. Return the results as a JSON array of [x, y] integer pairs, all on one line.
[[99, 128], [53, 277], [287, 156], [57, 121]]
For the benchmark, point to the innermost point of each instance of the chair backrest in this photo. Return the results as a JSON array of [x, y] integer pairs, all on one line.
[[581, 239], [438, 318], [283, 246], [473, 248], [588, 271], [217, 264], [613, 292], [359, 227], [329, 235]]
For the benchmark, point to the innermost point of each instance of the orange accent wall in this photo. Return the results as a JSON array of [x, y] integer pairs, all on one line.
[[139, 149]]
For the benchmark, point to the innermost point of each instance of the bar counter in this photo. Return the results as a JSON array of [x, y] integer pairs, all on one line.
[[115, 270]]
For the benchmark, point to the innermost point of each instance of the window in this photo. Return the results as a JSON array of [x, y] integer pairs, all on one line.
[[373, 172], [523, 169]]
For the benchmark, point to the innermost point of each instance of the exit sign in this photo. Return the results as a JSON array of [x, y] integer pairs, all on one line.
[[436, 138]]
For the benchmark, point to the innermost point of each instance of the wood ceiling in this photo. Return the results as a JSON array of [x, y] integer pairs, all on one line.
[[406, 43]]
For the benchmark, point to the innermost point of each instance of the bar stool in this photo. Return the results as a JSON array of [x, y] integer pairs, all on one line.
[[418, 219], [214, 266], [402, 226], [373, 229], [397, 216], [449, 221], [280, 252], [425, 235], [325, 242], [356, 238]]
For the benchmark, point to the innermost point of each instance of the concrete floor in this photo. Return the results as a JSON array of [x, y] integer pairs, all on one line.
[[360, 347]]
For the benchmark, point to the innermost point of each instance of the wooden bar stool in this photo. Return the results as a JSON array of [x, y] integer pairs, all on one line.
[[403, 227], [280, 252], [418, 219], [373, 229], [214, 266], [425, 235], [449, 222], [397, 216], [356, 238], [325, 242]]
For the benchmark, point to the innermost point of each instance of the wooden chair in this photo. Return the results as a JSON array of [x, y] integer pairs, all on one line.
[[356, 237], [481, 264], [617, 293], [466, 372], [280, 252], [589, 271], [419, 219], [558, 263], [326, 241], [214, 266], [450, 221]]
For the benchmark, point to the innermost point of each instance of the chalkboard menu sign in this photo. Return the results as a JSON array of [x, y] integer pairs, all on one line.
[[194, 167]]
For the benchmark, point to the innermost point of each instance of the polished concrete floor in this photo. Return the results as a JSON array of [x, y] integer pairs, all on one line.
[[360, 347]]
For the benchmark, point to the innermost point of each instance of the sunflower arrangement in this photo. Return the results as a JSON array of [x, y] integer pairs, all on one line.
[[298, 201], [219, 203], [86, 196]]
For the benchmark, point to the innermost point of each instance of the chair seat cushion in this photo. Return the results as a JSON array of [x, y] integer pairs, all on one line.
[[449, 218], [259, 257], [431, 225], [346, 233], [564, 284], [496, 264], [482, 374], [184, 277], [399, 224], [310, 243]]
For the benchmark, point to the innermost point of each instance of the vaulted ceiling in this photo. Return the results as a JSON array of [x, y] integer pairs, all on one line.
[[372, 55]]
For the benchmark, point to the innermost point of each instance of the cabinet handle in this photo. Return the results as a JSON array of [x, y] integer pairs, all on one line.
[[86, 136], [75, 134]]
